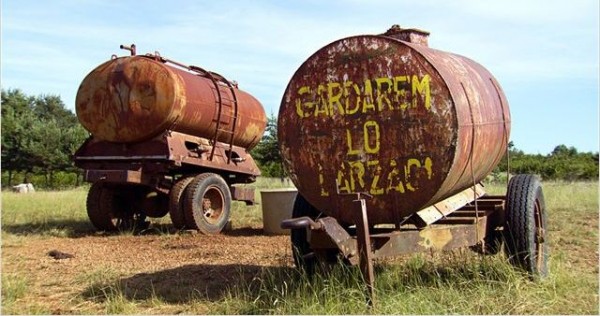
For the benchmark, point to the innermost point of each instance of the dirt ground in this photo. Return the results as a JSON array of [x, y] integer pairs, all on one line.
[[186, 272], [175, 267]]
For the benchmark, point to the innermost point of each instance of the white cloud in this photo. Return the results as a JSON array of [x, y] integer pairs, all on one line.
[[48, 47]]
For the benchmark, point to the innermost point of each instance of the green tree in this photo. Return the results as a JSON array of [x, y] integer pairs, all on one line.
[[46, 148], [38, 135], [563, 151], [51, 107], [17, 116], [563, 163], [266, 153]]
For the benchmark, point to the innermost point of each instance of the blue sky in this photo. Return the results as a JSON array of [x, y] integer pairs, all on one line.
[[544, 53]]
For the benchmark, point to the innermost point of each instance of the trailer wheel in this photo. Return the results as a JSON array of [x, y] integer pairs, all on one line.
[[176, 198], [106, 209], [525, 230], [207, 203]]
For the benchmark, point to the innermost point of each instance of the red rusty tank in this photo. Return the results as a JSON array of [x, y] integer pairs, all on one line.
[[388, 116], [134, 98]]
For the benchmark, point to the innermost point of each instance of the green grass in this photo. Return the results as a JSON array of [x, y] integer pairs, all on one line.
[[103, 288], [458, 282], [62, 213], [452, 284], [45, 213], [14, 289]]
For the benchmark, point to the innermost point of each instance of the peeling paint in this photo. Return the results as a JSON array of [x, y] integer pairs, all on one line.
[[435, 239], [392, 118], [135, 98]]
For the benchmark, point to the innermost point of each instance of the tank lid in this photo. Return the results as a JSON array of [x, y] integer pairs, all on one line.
[[411, 35]]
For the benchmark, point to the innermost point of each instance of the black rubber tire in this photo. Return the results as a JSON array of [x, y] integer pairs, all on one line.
[[149, 202], [176, 199], [105, 209], [525, 230], [99, 220], [300, 245], [204, 188]]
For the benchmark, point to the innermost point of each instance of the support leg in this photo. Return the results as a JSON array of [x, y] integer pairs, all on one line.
[[363, 240]]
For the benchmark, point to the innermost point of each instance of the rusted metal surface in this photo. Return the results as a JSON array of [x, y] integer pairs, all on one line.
[[437, 237], [134, 98], [159, 126], [409, 239], [127, 176], [337, 236], [408, 35], [363, 242], [150, 162], [405, 123], [243, 194], [437, 211], [173, 150]]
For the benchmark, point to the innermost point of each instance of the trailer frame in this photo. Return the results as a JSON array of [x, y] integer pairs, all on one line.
[[479, 222]]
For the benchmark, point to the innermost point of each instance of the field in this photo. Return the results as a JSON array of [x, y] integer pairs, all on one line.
[[243, 271]]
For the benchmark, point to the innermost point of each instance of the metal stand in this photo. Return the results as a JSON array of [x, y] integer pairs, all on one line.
[[363, 239]]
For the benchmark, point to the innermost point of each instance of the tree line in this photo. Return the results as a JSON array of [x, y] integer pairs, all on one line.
[[563, 163], [39, 135]]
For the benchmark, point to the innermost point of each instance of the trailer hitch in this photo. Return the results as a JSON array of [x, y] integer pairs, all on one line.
[[329, 234], [301, 222]]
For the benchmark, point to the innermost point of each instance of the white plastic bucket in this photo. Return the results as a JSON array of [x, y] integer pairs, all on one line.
[[277, 205]]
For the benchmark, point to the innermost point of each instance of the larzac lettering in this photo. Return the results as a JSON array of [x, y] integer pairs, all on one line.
[[377, 177], [372, 95], [363, 170]]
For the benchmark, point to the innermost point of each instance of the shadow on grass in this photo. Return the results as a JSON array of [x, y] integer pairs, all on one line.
[[59, 228], [257, 289], [70, 228], [244, 231], [188, 283], [162, 229]]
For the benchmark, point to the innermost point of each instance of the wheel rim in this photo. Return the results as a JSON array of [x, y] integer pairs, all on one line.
[[212, 204], [539, 236]]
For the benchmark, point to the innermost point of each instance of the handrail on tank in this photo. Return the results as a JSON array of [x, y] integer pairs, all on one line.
[[198, 70], [216, 80]]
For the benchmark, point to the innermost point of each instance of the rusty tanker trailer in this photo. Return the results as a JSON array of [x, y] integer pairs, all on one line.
[[165, 138], [387, 141]]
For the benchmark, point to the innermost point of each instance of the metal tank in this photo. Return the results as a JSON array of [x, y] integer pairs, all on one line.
[[167, 138], [388, 116], [134, 98]]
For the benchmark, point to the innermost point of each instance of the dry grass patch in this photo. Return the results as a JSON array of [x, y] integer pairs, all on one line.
[[243, 271]]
